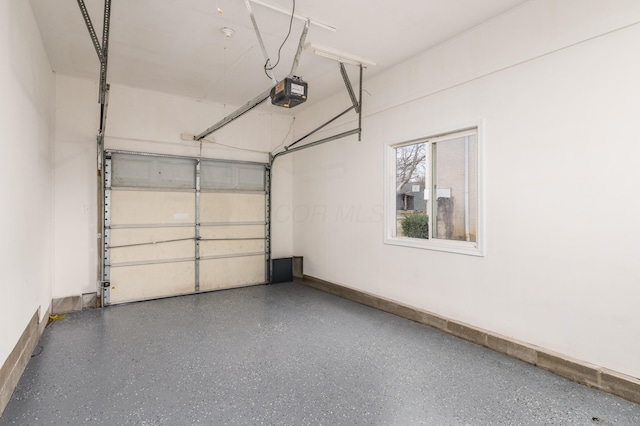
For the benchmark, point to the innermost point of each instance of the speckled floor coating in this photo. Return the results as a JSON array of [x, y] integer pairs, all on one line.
[[284, 354]]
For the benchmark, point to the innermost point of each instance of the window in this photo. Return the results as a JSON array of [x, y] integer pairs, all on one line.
[[433, 193]]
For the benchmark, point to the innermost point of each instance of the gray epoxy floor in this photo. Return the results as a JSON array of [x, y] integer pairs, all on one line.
[[284, 354]]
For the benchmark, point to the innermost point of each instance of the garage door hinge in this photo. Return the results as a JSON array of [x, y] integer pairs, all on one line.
[[105, 293]]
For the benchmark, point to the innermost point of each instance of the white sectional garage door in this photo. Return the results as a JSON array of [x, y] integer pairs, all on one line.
[[178, 226]]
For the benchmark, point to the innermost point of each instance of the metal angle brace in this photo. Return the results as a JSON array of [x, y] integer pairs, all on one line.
[[105, 54], [92, 31], [262, 96], [347, 83], [103, 123], [296, 58], [267, 65], [318, 142], [237, 113], [323, 125], [356, 104], [101, 50]]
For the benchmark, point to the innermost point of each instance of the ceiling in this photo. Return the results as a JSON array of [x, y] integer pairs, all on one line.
[[178, 47]]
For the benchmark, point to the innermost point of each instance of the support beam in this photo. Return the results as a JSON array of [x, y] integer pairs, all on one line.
[[103, 111], [92, 31], [360, 106], [263, 96], [237, 113], [105, 51], [318, 142], [296, 58], [356, 104], [318, 128], [102, 51], [288, 13], [103, 100], [347, 83], [267, 64]]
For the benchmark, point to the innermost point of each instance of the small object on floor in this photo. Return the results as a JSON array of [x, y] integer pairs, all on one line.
[[54, 318]]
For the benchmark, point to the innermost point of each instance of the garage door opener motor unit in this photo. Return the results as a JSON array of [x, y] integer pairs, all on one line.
[[289, 92]]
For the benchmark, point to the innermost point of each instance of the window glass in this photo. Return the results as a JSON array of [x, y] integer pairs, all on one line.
[[435, 191], [131, 170], [221, 175], [455, 181], [411, 205]]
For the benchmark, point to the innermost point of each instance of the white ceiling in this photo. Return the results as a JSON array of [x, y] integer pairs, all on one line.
[[177, 46]]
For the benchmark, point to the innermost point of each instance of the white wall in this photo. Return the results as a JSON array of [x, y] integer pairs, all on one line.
[[556, 85], [26, 136], [75, 270], [144, 121]]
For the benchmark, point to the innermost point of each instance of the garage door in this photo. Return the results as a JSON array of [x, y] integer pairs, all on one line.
[[178, 226]]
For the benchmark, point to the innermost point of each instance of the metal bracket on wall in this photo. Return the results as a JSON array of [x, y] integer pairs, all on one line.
[[268, 271], [105, 293], [356, 105], [103, 55], [197, 230], [296, 58], [105, 255], [102, 50], [347, 83]]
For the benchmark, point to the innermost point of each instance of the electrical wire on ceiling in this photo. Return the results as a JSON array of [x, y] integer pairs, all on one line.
[[266, 68], [231, 147], [284, 140]]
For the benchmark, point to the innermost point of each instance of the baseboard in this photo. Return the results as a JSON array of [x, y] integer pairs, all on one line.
[[89, 300], [600, 378], [18, 359], [64, 305]]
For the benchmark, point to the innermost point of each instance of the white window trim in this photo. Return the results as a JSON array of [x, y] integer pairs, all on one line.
[[476, 248]]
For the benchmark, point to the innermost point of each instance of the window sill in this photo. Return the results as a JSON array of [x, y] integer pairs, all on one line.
[[458, 247]]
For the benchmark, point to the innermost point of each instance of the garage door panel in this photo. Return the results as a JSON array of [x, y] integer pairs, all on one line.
[[222, 248], [132, 170], [232, 208], [152, 207], [128, 236], [231, 272], [150, 221], [130, 283], [154, 252], [224, 175], [245, 231]]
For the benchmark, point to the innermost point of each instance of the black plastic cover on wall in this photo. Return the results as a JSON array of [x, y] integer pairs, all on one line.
[[282, 270]]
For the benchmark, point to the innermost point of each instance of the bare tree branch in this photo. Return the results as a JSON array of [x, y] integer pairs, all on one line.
[[410, 164]]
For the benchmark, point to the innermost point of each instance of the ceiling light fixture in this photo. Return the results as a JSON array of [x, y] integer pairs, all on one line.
[[339, 56], [288, 13]]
